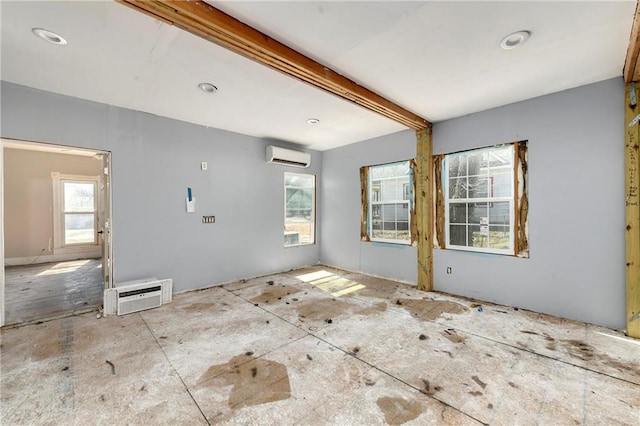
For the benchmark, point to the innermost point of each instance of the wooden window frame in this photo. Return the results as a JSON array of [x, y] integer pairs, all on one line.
[[519, 211], [366, 205]]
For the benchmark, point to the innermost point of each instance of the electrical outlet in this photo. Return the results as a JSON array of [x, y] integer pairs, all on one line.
[[203, 165], [449, 270], [208, 219]]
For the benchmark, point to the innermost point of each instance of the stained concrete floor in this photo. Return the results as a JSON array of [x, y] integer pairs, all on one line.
[[330, 348]]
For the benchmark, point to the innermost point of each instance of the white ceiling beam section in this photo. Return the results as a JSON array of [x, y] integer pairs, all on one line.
[[205, 21]]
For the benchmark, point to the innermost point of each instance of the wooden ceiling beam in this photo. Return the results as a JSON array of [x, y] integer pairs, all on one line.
[[205, 21], [631, 65]]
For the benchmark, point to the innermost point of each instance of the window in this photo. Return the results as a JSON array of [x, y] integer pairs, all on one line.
[[75, 201], [79, 212], [299, 209], [388, 201], [484, 198]]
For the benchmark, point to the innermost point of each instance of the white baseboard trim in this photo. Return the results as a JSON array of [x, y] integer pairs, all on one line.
[[48, 258]]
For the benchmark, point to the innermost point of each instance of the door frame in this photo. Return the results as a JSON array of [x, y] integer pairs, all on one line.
[[108, 195]]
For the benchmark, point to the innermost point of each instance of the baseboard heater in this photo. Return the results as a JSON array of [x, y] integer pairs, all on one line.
[[138, 295]]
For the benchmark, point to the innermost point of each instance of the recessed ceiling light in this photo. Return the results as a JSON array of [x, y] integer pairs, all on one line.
[[313, 121], [207, 87], [49, 36], [514, 40]]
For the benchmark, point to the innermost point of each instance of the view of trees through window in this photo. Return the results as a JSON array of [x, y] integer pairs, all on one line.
[[299, 217], [390, 202]]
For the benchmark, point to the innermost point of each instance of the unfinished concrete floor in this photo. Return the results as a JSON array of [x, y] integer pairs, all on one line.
[[329, 348]]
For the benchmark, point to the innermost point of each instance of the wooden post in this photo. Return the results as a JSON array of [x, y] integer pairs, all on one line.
[[424, 208], [632, 210]]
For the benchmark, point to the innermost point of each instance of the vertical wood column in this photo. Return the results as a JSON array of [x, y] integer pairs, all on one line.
[[632, 210], [424, 208]]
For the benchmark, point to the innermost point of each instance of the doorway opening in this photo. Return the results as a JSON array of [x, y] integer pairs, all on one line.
[[56, 218]]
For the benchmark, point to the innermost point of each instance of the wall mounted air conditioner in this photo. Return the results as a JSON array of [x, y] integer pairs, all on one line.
[[288, 157], [138, 295]]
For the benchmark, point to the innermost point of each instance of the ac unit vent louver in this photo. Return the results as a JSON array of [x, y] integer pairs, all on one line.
[[288, 157], [135, 296]]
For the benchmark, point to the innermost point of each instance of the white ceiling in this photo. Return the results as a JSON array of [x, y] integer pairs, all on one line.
[[438, 59]]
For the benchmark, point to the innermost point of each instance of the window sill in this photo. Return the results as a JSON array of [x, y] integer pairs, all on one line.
[[394, 242], [299, 245], [482, 251]]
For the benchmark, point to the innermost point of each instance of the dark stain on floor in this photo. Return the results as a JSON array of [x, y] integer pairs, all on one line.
[[274, 294], [584, 351], [398, 410], [431, 309], [255, 380], [322, 309], [479, 382], [197, 307], [579, 349], [429, 388], [453, 336], [376, 288]]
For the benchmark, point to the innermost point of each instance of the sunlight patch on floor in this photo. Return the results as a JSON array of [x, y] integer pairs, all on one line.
[[64, 267], [331, 283]]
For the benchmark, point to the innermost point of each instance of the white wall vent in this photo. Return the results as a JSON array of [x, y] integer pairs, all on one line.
[[138, 295], [288, 157]]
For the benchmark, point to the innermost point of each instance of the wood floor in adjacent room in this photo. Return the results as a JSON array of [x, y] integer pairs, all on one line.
[[319, 347], [46, 290]]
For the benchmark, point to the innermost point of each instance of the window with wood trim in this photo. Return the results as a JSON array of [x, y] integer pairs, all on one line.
[[481, 200], [388, 211]]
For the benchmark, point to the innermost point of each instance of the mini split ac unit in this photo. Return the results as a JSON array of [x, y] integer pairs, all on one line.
[[138, 295], [288, 157]]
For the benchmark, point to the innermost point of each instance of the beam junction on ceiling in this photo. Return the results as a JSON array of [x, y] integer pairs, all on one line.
[[204, 20]]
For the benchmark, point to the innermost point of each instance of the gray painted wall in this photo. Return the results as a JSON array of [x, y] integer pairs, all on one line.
[[28, 197], [576, 215], [154, 160], [340, 189], [576, 218]]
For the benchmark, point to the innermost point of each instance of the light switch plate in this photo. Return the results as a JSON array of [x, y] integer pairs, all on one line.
[[191, 205]]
